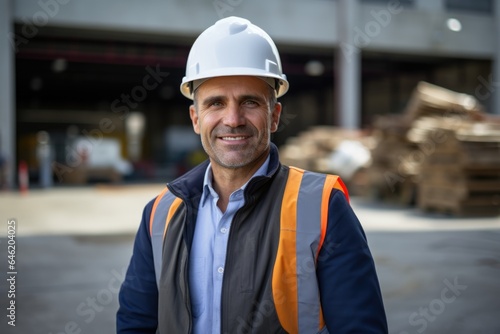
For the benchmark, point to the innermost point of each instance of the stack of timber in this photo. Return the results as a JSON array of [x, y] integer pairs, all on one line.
[[402, 140], [461, 170], [308, 149], [303, 150], [431, 100], [391, 173], [314, 148]]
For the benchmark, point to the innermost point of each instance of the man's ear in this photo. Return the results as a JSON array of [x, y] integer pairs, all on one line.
[[275, 117], [194, 119]]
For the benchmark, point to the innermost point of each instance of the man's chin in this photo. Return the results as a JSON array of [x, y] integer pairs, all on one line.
[[233, 164]]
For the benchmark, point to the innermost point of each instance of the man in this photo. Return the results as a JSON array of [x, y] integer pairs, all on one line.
[[241, 243]]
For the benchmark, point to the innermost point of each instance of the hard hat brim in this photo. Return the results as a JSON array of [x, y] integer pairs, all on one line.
[[282, 86]]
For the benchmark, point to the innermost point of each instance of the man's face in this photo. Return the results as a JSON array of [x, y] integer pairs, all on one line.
[[234, 119]]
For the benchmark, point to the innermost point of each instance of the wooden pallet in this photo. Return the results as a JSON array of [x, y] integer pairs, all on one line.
[[461, 175]]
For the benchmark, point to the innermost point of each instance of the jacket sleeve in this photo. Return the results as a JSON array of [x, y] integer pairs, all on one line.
[[350, 293], [138, 297]]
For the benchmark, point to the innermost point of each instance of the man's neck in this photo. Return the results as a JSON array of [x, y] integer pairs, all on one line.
[[227, 180]]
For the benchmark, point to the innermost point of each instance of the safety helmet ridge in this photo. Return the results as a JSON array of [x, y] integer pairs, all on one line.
[[233, 46]]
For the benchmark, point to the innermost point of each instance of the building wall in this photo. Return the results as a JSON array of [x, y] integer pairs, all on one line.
[[386, 26]]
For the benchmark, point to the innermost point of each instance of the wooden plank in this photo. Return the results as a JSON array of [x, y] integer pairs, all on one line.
[[483, 186], [481, 169], [479, 206]]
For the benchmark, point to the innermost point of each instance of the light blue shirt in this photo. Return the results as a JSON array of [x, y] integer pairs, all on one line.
[[208, 253]]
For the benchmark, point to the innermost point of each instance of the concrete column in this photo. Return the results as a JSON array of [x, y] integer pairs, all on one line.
[[430, 5], [348, 65], [495, 85], [7, 87]]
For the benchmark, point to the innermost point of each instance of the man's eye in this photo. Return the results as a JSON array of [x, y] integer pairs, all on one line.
[[250, 103]]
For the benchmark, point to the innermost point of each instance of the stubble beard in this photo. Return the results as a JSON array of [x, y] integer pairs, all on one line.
[[247, 152]]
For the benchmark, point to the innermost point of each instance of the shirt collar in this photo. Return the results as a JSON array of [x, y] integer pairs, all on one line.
[[208, 189]]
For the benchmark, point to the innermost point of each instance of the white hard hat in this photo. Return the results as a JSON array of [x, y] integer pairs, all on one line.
[[233, 46]]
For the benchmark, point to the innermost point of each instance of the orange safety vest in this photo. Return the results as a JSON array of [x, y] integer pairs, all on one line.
[[303, 222]]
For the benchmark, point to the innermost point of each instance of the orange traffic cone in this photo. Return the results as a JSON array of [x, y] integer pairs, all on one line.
[[23, 177]]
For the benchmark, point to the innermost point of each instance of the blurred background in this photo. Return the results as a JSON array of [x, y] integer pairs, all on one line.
[[101, 79], [401, 98]]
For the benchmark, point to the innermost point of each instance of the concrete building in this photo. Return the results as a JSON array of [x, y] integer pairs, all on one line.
[[82, 68]]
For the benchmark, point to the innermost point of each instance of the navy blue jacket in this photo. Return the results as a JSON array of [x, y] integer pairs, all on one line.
[[351, 300]]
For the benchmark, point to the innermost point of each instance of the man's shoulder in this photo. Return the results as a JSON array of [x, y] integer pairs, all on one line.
[[330, 183]]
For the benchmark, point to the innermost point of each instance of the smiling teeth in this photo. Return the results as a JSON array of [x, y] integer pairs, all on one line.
[[233, 138]]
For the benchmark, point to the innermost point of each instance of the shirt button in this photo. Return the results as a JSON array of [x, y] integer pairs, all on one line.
[[220, 270], [223, 230]]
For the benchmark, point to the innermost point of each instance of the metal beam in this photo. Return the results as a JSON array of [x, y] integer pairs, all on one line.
[[348, 66], [495, 84], [7, 87]]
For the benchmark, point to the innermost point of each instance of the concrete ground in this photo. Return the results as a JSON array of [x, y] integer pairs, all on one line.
[[438, 274]]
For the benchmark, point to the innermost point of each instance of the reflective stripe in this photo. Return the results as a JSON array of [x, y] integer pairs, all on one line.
[[304, 219], [308, 238], [155, 205], [163, 209]]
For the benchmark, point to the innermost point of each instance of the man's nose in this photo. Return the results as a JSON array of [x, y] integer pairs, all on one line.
[[233, 115]]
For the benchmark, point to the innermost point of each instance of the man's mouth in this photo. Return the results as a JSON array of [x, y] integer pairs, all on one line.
[[234, 138]]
